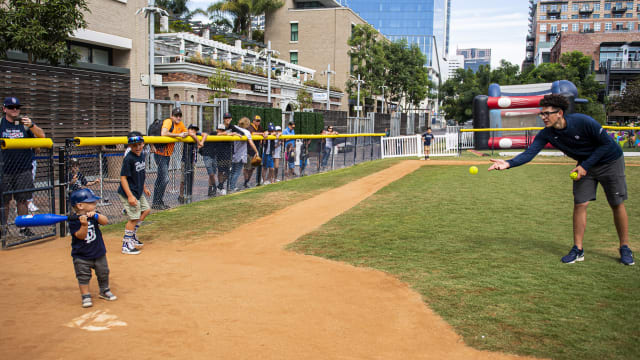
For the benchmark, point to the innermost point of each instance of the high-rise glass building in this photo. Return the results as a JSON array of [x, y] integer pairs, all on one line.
[[417, 21]]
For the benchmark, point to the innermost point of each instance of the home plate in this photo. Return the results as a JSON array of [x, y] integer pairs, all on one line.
[[98, 320]]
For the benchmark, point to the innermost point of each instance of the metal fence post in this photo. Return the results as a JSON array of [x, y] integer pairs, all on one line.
[[62, 182], [355, 149]]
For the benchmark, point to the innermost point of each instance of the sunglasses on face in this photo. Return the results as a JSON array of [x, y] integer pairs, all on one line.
[[13, 107], [547, 113], [135, 139]]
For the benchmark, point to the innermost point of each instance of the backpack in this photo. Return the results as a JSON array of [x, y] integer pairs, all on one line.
[[155, 129]]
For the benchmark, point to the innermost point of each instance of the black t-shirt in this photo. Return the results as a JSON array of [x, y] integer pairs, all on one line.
[[133, 167], [92, 246], [15, 160]]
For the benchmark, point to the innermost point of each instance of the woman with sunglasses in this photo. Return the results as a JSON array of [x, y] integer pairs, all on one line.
[[17, 170], [600, 160]]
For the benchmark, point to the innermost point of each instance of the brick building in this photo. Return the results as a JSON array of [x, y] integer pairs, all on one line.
[[549, 18]]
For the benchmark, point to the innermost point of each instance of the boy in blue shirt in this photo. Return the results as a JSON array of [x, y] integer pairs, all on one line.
[[600, 160], [87, 247], [132, 191]]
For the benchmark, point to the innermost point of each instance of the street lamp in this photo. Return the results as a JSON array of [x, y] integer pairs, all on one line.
[[328, 72], [358, 82], [268, 51], [151, 10], [383, 87]]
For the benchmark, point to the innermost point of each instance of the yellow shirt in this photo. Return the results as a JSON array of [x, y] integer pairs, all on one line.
[[177, 129]]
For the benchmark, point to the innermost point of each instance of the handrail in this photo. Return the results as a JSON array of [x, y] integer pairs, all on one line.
[[26, 143], [116, 140], [540, 128]]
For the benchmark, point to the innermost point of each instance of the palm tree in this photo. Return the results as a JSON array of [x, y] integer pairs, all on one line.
[[242, 12]]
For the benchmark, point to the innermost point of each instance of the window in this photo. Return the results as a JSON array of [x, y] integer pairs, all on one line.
[[575, 7], [617, 16], [543, 8], [294, 31], [629, 15], [607, 27], [586, 27], [574, 27], [619, 26], [293, 57], [607, 6], [565, 7], [543, 17], [584, 16], [563, 17], [92, 54], [596, 27], [596, 16], [554, 7], [564, 27], [629, 5], [596, 6], [553, 17], [607, 16], [553, 28], [574, 16], [630, 25], [543, 27]]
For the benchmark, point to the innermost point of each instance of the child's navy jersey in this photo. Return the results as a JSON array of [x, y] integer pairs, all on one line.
[[91, 247], [427, 138], [133, 167]]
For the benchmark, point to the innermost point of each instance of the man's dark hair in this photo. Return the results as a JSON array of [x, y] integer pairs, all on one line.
[[556, 101]]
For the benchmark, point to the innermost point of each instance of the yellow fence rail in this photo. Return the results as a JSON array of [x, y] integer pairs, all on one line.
[[26, 143]]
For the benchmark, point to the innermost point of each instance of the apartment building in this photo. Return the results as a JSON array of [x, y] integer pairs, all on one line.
[[549, 18], [314, 34]]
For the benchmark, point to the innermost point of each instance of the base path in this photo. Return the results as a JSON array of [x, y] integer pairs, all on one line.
[[238, 295]]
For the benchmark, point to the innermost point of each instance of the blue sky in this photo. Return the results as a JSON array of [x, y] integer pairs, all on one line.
[[500, 25]]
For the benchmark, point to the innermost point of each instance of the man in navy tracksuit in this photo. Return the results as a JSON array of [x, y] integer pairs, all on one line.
[[600, 160]]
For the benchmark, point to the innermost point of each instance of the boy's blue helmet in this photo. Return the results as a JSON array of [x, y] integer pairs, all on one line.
[[83, 196]]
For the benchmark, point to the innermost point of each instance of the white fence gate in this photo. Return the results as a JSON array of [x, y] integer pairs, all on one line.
[[403, 146]]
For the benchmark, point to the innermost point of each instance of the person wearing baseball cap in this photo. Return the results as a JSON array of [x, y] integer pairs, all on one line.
[[18, 166], [226, 120], [256, 129], [289, 148]]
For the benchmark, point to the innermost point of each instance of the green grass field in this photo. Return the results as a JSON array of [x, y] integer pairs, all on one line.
[[484, 251]]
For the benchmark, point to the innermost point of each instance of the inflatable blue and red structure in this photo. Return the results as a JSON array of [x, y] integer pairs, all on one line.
[[514, 106]]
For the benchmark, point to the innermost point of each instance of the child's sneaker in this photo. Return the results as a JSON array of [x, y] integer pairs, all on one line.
[[574, 255], [128, 250], [136, 242], [626, 256], [86, 301], [107, 295]]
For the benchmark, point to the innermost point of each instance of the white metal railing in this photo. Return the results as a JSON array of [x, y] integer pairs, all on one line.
[[403, 146]]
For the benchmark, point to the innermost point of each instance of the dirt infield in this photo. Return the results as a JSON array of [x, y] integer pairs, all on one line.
[[234, 296]]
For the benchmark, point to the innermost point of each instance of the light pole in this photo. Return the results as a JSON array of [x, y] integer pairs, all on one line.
[[358, 82], [150, 11], [383, 87], [268, 52], [328, 72]]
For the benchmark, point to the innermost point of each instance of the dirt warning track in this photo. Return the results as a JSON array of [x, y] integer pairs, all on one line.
[[234, 296]]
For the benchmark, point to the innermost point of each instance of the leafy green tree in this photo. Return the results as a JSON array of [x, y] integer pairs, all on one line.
[[242, 12], [40, 28], [367, 60], [221, 84], [304, 98], [629, 100]]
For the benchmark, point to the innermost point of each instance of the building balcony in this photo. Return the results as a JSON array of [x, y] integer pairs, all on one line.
[[552, 32], [530, 47], [531, 37], [587, 31], [585, 10], [619, 9], [553, 12]]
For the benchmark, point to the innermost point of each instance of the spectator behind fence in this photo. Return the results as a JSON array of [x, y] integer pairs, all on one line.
[[223, 150], [328, 145], [17, 170], [289, 148], [256, 129], [172, 127], [277, 153], [189, 158], [87, 247], [132, 191], [76, 179], [239, 158], [269, 146], [210, 160]]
